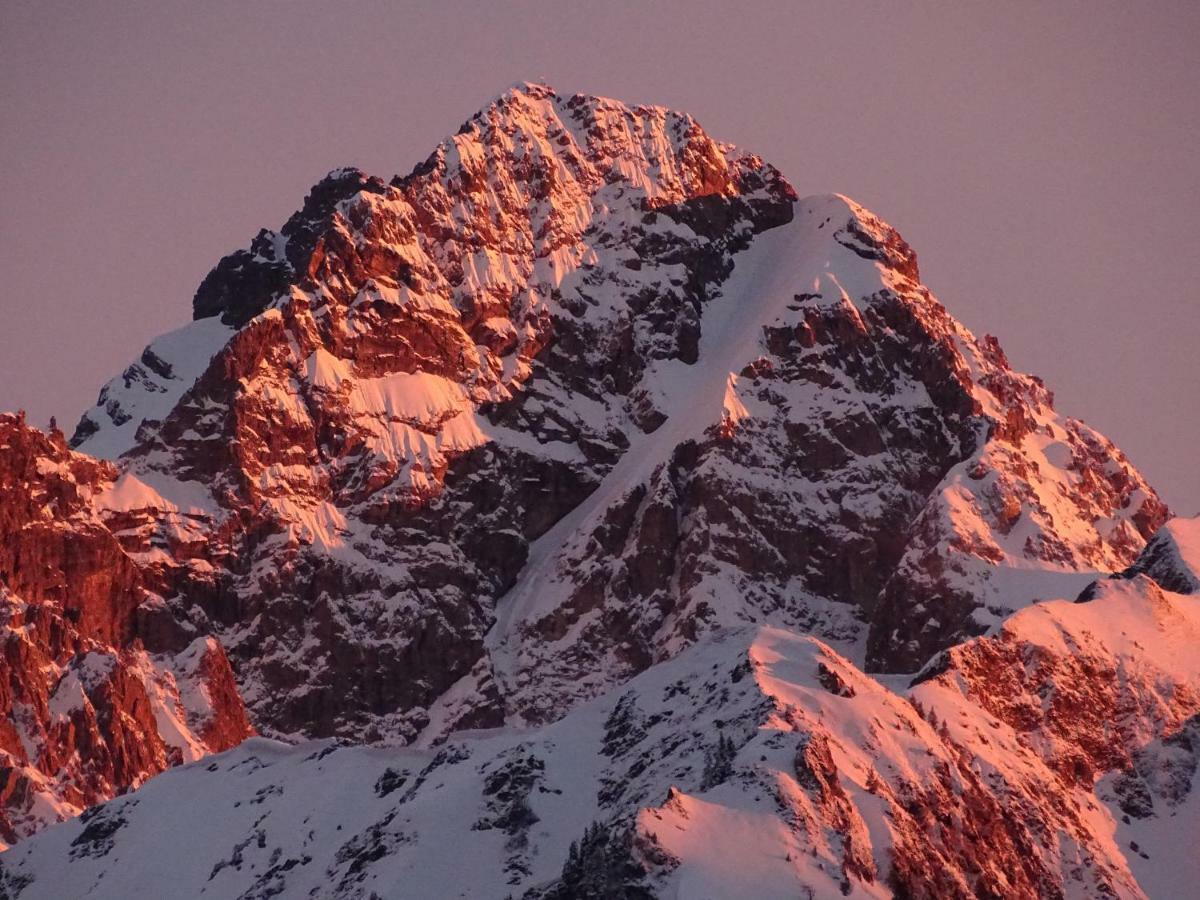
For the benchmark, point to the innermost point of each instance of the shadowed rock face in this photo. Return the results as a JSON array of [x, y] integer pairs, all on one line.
[[585, 388]]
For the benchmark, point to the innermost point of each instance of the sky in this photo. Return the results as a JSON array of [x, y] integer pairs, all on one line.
[[1041, 158]]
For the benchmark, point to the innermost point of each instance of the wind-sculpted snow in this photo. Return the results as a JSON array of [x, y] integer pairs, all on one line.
[[474, 446], [760, 763]]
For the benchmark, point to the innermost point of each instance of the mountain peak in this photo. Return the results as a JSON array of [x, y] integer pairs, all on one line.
[[586, 392], [537, 90]]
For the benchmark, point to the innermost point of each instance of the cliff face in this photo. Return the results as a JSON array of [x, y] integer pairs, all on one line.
[[476, 446], [87, 711]]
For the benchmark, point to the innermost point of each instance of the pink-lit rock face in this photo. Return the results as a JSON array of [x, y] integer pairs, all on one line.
[[87, 711], [586, 391]]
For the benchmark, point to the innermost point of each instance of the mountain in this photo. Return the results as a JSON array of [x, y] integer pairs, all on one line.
[[616, 494]]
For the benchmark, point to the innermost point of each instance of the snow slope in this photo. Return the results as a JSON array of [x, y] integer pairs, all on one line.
[[149, 389]]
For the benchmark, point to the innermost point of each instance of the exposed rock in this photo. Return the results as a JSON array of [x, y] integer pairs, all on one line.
[[87, 713]]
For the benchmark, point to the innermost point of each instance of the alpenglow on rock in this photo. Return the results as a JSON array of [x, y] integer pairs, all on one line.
[[586, 401]]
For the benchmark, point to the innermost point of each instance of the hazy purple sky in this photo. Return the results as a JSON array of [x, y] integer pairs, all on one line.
[[1041, 157]]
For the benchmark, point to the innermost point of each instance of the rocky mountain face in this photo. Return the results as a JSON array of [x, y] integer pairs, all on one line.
[[591, 433], [88, 711], [449, 364]]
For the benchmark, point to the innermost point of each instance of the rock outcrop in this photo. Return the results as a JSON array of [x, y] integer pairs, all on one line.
[[86, 710]]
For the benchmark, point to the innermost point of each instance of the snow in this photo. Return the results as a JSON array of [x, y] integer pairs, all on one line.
[[419, 396], [1165, 862], [296, 797], [67, 697], [94, 667], [765, 280], [170, 715], [732, 853], [142, 394], [146, 489], [415, 418]]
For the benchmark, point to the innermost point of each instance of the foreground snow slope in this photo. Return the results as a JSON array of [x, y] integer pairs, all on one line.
[[761, 763]]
